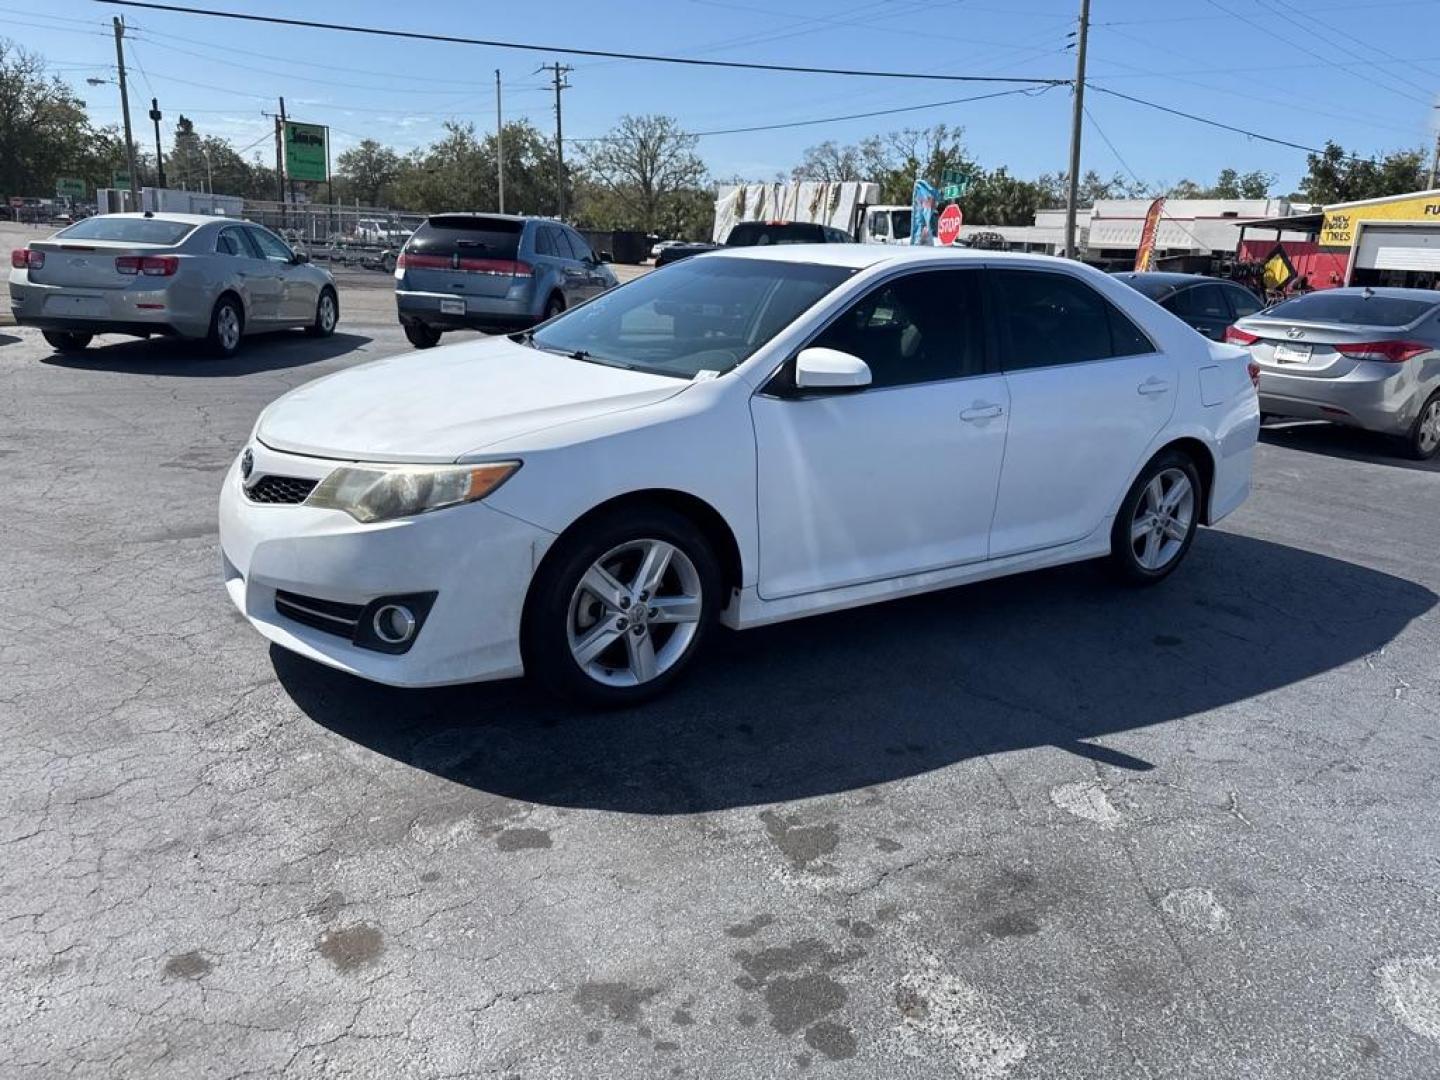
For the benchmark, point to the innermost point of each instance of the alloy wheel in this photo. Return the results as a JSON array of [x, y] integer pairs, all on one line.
[[1163, 518], [227, 325], [327, 313], [1429, 435], [634, 613]]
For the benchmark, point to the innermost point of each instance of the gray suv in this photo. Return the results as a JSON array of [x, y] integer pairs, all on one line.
[[492, 272]]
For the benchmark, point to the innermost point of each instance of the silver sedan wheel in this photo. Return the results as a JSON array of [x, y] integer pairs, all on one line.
[[1163, 518], [634, 613], [327, 312], [1430, 427], [227, 327]]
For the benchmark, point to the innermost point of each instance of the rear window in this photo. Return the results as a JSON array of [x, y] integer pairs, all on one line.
[[1356, 309], [758, 233], [128, 230], [460, 234]]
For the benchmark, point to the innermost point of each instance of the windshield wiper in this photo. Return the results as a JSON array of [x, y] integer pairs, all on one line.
[[524, 337], [591, 358]]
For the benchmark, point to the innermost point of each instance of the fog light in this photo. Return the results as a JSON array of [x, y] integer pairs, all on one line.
[[394, 624]]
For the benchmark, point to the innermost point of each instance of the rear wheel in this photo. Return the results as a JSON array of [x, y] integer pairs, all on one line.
[[327, 314], [554, 306], [227, 327], [1157, 521], [620, 608], [1423, 442], [421, 336], [66, 341]]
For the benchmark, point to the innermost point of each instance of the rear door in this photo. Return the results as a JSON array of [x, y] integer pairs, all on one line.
[[464, 255], [555, 263], [238, 260], [595, 279], [1088, 392]]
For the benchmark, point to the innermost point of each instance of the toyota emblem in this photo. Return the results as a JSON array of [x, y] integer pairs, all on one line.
[[247, 464], [1294, 332]]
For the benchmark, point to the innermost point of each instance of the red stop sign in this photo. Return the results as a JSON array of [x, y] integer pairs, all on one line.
[[949, 226]]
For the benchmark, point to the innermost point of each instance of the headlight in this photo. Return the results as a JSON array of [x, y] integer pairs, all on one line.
[[380, 493]]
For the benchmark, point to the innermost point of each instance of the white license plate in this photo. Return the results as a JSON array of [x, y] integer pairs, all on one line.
[[1292, 354], [452, 307], [83, 307]]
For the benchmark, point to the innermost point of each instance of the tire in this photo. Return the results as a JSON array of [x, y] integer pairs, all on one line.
[[227, 327], [66, 341], [1423, 442], [327, 314], [387, 262], [421, 336], [554, 306], [593, 650], [1146, 548]]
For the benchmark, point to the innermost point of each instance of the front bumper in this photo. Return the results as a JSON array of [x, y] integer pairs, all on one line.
[[110, 311], [497, 313], [476, 560], [1374, 396]]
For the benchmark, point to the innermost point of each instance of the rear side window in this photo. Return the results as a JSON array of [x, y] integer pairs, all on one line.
[[1353, 308], [1199, 302], [547, 242], [232, 242], [467, 235], [128, 230], [582, 249], [1051, 319]]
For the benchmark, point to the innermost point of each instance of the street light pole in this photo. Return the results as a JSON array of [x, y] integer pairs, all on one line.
[[159, 158], [125, 107], [499, 143], [1072, 193]]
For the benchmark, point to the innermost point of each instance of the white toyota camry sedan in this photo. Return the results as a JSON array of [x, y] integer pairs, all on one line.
[[744, 437]]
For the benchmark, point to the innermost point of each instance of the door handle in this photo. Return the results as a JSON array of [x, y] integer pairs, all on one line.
[[981, 412], [1153, 385]]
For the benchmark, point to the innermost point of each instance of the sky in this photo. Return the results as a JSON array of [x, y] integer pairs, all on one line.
[[1365, 74]]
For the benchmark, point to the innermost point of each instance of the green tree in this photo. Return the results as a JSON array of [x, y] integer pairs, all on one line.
[[1335, 175], [997, 198], [369, 169], [643, 165], [44, 130]]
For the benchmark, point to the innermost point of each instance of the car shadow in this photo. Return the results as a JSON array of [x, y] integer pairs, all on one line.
[[184, 358], [8, 339], [1339, 441], [840, 702]]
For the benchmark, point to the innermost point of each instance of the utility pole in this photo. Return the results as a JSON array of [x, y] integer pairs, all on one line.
[[1435, 161], [125, 108], [279, 164], [499, 143], [1072, 194], [283, 135], [159, 158], [560, 71]]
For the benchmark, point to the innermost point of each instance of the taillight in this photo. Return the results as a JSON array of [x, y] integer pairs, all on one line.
[[149, 265], [25, 259], [496, 267], [1254, 370], [412, 260], [1237, 336], [1391, 352]]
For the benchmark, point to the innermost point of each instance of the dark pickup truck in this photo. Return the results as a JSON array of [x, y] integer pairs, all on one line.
[[757, 234]]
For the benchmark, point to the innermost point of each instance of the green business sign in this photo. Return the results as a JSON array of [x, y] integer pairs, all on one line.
[[305, 151], [120, 179], [70, 187]]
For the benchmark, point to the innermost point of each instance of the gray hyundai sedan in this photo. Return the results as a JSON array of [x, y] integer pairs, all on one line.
[[183, 275], [1367, 358]]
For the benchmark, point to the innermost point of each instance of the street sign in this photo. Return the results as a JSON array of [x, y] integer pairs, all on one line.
[[954, 183], [949, 227], [952, 191], [70, 187], [305, 151], [120, 178]]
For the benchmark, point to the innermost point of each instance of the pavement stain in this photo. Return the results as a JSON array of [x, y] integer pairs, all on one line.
[[618, 1001], [799, 991], [523, 840], [188, 965], [1012, 924], [749, 928], [351, 947], [803, 845], [835, 1041]]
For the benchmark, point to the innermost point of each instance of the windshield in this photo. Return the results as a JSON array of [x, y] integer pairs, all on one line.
[[129, 230], [704, 314], [900, 224], [1354, 309]]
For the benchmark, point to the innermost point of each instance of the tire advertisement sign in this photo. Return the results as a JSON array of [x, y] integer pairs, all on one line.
[[1338, 227], [307, 151]]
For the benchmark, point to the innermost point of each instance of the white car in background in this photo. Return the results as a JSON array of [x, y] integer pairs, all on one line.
[[750, 436]]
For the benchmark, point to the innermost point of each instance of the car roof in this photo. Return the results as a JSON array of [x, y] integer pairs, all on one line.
[[179, 219], [1164, 277], [490, 214], [864, 256]]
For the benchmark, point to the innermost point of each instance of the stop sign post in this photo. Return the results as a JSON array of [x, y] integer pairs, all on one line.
[[948, 228]]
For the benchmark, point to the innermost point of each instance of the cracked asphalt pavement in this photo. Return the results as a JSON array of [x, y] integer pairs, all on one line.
[[1035, 828]]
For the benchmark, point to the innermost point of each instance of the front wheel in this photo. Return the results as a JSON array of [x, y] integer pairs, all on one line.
[[327, 314], [1423, 442], [421, 336], [66, 341], [620, 608], [1157, 521], [554, 306]]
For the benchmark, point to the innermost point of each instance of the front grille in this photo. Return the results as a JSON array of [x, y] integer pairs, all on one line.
[[280, 489], [330, 616]]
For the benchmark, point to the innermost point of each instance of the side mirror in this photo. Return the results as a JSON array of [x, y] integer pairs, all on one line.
[[606, 257], [301, 257], [830, 369]]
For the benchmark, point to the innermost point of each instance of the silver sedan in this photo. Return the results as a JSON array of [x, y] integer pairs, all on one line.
[[185, 275], [1367, 358]]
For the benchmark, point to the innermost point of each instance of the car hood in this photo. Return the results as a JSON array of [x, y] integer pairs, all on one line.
[[442, 404]]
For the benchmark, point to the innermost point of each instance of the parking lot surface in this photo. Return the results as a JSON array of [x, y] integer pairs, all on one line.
[[1037, 828]]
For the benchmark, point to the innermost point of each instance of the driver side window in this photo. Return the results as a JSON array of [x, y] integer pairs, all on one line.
[[923, 327], [271, 246]]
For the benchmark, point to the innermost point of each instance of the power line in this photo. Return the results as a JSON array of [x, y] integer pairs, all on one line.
[[1206, 120], [451, 39]]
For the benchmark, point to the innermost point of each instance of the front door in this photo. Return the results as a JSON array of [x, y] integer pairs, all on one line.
[[1088, 393], [298, 294], [894, 479]]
